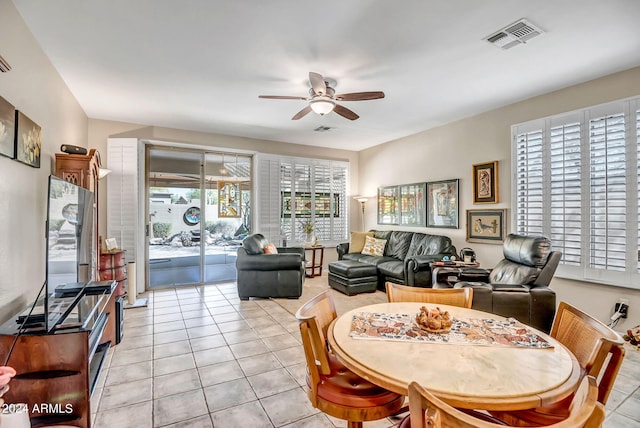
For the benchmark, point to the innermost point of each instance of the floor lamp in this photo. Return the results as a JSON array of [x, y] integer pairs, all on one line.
[[362, 200]]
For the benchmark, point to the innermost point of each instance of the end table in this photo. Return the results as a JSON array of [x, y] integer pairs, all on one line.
[[314, 264]]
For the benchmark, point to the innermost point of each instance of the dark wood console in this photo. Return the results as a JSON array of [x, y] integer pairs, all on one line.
[[57, 370]]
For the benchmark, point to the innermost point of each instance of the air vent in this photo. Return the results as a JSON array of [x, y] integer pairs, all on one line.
[[323, 129], [4, 65], [514, 34]]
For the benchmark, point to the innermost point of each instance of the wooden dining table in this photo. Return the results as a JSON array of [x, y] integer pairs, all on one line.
[[465, 375]]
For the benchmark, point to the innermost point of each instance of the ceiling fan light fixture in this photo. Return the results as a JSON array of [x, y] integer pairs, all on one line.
[[322, 105]]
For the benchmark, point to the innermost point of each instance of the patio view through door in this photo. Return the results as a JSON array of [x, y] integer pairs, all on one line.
[[199, 210]]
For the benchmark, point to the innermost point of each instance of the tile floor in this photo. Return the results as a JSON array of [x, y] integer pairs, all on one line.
[[200, 357]]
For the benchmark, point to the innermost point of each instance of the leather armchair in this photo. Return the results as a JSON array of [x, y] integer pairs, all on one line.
[[269, 275], [518, 286]]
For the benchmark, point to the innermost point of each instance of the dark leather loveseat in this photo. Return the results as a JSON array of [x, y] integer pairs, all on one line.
[[406, 256], [269, 275]]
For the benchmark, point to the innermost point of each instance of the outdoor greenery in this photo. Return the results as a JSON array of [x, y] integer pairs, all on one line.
[[161, 230], [221, 227]]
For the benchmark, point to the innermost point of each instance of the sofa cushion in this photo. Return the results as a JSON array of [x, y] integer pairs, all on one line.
[[381, 234], [357, 240], [508, 272], [423, 244], [393, 268], [366, 258], [373, 246], [398, 244]]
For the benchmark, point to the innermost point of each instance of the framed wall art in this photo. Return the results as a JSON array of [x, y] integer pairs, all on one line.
[[388, 207], [7, 129], [228, 199], [485, 183], [412, 204], [28, 140], [442, 204], [486, 226]]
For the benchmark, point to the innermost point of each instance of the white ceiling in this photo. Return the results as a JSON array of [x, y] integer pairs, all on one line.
[[201, 64]]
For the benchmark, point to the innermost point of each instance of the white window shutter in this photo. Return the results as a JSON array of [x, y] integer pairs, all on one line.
[[122, 194]]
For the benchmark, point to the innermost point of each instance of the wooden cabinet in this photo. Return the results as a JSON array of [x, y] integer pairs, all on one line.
[[57, 371], [84, 171], [113, 267]]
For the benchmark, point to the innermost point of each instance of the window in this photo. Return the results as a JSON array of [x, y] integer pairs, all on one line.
[[292, 191], [577, 181]]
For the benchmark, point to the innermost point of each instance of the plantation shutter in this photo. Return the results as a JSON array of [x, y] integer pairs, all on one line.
[[607, 204], [122, 194], [565, 191], [529, 183], [267, 197]]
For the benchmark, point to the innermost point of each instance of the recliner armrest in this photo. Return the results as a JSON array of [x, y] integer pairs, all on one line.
[[292, 250]]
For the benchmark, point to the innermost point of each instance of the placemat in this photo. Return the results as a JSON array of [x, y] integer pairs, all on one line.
[[473, 331]]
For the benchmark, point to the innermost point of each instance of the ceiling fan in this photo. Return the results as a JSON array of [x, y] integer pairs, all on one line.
[[322, 98]]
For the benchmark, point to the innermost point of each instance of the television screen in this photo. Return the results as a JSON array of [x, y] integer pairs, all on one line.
[[70, 245]]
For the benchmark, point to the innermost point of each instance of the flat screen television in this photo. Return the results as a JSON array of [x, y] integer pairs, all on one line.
[[70, 247]]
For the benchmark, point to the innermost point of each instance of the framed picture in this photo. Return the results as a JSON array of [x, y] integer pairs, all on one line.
[[485, 183], [28, 140], [486, 226], [229, 199], [7, 129], [388, 207], [412, 204], [442, 204]]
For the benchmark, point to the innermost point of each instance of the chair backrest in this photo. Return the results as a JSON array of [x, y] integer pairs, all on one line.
[[462, 297], [598, 349], [528, 259], [314, 318], [426, 410]]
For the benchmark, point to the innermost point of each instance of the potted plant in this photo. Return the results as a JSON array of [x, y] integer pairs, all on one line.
[[307, 228]]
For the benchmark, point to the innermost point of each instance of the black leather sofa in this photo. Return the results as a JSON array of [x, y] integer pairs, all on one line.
[[269, 275], [518, 286], [406, 259]]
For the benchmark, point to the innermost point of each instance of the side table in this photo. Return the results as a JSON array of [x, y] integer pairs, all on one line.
[[314, 264], [448, 273]]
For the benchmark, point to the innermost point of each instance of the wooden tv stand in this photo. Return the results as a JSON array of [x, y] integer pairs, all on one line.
[[57, 370]]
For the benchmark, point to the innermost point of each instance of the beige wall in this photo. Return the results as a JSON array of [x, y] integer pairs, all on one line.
[[448, 152], [34, 87]]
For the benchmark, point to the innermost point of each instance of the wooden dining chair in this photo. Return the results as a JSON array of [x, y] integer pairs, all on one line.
[[428, 411], [599, 351], [333, 388], [462, 297]]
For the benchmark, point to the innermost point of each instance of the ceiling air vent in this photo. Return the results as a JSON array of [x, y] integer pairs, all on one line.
[[514, 34], [4, 65], [323, 129]]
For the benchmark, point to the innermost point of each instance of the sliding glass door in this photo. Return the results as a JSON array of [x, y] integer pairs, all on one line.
[[198, 209]]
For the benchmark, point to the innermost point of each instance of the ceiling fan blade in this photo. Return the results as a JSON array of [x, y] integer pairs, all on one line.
[[302, 113], [317, 83], [282, 97], [360, 96], [345, 112]]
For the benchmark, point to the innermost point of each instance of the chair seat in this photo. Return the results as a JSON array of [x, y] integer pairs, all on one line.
[[345, 388]]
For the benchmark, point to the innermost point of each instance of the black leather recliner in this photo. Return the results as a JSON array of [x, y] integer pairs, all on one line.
[[269, 275], [518, 286]]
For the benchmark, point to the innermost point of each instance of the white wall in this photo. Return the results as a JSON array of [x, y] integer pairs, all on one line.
[[448, 152], [34, 87]]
